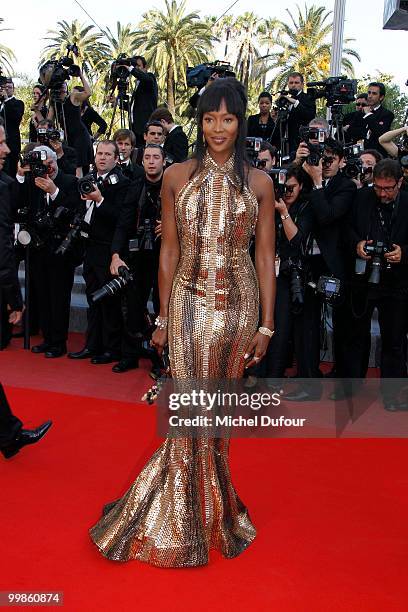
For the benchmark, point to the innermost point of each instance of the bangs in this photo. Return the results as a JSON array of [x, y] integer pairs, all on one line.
[[222, 90]]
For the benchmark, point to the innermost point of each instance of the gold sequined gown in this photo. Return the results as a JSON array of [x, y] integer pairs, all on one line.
[[183, 502]]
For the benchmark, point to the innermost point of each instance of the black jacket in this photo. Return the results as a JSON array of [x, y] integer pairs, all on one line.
[[9, 284], [304, 112], [375, 125], [355, 124], [176, 145], [144, 99], [365, 224], [132, 171], [90, 116], [104, 219], [12, 113], [68, 162], [301, 214], [259, 130], [142, 201], [331, 206]]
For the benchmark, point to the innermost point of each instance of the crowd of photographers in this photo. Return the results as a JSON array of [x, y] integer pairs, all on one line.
[[341, 213]]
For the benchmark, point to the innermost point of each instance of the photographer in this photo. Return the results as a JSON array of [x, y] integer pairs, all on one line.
[[144, 97], [103, 207], [317, 135], [153, 134], [378, 243], [68, 109], [330, 199], [368, 159], [294, 221], [89, 117], [377, 120], [11, 111], [301, 108], [39, 110], [266, 159], [126, 142], [353, 125], [262, 124], [49, 136], [176, 143], [50, 199], [137, 240], [397, 151]]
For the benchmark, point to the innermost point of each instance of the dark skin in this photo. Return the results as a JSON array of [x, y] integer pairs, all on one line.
[[220, 131]]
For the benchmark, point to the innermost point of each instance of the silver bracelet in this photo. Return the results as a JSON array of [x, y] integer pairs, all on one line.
[[161, 322], [266, 331]]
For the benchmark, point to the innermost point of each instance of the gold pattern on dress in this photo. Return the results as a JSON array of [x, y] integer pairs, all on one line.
[[183, 502]]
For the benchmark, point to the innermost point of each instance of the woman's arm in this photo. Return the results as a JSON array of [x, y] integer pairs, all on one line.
[[385, 140], [170, 246], [289, 226], [265, 246], [77, 97]]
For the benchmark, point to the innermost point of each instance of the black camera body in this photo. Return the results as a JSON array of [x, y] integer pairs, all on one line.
[[55, 72], [377, 250], [79, 230], [35, 160], [329, 287], [87, 184], [316, 150], [120, 67], [354, 166], [252, 148], [293, 269], [278, 176], [145, 237], [44, 135], [336, 90], [198, 76]]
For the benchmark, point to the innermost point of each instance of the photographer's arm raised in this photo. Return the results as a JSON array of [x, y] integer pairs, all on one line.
[[385, 140], [77, 97]]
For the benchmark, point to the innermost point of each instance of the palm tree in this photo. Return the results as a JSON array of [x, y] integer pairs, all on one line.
[[306, 47], [123, 41], [6, 54], [171, 41], [92, 52]]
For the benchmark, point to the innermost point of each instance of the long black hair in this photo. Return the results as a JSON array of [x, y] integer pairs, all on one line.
[[233, 93]]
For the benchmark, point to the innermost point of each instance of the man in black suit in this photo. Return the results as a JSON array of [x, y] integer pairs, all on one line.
[[126, 141], [66, 156], [52, 275], [11, 111], [380, 217], [12, 435], [144, 97], [377, 120], [103, 207], [302, 109], [353, 124], [176, 143], [331, 200]]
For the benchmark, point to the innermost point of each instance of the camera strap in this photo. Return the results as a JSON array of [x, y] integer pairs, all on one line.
[[387, 225]]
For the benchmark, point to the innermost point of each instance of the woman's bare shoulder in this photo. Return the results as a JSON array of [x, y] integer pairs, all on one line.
[[259, 181], [177, 175]]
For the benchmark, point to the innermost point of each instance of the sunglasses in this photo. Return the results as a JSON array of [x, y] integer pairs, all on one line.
[[361, 104]]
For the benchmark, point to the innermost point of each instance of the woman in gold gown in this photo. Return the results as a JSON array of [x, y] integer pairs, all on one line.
[[183, 502]]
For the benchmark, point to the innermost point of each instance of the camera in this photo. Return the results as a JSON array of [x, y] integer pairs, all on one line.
[[377, 250], [120, 67], [79, 229], [198, 76], [145, 238], [44, 135], [283, 103], [336, 90], [55, 72], [88, 183], [294, 270], [315, 150], [114, 286], [35, 160], [354, 166], [3, 80], [278, 176], [327, 286], [252, 148]]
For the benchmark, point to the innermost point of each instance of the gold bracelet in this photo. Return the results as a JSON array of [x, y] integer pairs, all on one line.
[[266, 331]]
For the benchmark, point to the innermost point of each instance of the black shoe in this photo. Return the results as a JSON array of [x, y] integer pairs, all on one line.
[[55, 351], [40, 348], [395, 405], [129, 363], [156, 373], [302, 396], [84, 354], [26, 436], [104, 358]]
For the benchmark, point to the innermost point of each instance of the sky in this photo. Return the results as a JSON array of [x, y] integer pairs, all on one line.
[[380, 50]]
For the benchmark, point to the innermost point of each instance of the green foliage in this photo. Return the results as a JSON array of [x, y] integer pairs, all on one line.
[[7, 56]]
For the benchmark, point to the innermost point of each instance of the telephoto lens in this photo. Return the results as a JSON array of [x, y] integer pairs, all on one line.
[[114, 286]]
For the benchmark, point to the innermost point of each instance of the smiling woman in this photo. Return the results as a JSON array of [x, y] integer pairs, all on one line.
[[183, 502]]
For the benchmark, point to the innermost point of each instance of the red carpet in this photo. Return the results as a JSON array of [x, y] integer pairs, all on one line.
[[331, 514]]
